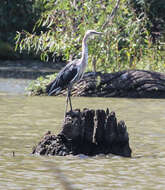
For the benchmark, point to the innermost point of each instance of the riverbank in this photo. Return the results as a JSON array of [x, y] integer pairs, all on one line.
[[27, 69], [15, 76]]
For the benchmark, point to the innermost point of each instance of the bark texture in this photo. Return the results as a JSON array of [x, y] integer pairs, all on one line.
[[131, 83], [87, 132]]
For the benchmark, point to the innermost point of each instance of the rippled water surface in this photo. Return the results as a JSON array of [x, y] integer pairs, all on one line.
[[24, 120]]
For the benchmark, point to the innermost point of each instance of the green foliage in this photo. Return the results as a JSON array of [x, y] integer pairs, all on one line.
[[154, 11], [126, 44], [37, 87], [6, 50], [16, 15]]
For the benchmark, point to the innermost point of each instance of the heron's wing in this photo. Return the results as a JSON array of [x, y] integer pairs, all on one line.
[[64, 78], [68, 74]]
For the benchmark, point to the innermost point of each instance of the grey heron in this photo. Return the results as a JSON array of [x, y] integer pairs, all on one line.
[[72, 72]]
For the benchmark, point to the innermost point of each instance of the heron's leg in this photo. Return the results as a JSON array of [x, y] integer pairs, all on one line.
[[69, 92], [67, 98]]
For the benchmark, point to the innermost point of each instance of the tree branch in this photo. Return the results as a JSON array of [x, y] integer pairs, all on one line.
[[111, 16]]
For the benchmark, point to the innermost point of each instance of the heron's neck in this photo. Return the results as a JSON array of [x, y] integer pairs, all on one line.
[[84, 52]]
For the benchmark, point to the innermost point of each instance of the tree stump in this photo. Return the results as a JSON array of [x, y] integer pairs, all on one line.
[[87, 132]]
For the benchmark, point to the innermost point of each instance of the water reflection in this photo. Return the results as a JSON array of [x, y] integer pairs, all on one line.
[[23, 120]]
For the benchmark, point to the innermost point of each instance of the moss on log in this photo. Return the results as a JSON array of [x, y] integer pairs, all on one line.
[[87, 132]]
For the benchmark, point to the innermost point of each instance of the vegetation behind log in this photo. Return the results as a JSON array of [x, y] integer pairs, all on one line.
[[127, 44]]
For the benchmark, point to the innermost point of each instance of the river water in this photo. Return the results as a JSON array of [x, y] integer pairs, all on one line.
[[24, 120]]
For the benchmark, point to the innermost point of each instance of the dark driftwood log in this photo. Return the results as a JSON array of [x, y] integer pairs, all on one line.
[[88, 132], [133, 83]]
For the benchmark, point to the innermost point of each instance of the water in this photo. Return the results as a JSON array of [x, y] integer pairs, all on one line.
[[24, 120]]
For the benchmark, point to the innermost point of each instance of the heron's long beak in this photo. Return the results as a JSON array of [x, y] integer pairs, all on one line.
[[98, 33]]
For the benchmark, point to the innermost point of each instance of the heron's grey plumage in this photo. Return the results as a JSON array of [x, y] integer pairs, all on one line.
[[72, 72]]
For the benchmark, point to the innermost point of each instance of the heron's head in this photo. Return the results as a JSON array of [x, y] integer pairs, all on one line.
[[92, 32]]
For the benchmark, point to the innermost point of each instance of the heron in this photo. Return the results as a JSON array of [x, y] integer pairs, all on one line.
[[72, 72]]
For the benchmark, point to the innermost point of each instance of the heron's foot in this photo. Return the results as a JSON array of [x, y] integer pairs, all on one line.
[[72, 113], [68, 113]]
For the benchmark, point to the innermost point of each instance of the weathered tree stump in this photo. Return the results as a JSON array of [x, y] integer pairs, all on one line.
[[131, 83], [88, 132]]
